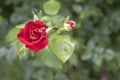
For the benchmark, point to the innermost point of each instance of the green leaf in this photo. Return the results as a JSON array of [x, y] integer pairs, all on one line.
[[51, 7], [97, 59], [77, 8], [87, 55], [49, 75], [51, 31], [3, 51], [62, 46], [98, 56], [48, 58], [12, 35], [21, 25], [47, 20], [109, 55], [58, 20], [21, 49], [39, 14], [73, 59], [37, 63], [61, 76], [11, 56]]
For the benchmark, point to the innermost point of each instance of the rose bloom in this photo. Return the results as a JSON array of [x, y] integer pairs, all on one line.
[[33, 35]]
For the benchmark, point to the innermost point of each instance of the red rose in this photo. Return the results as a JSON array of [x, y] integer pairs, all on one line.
[[33, 35]]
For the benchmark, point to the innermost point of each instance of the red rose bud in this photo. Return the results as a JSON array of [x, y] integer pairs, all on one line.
[[69, 25], [33, 35]]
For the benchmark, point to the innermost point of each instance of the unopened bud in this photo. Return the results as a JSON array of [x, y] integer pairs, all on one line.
[[69, 25]]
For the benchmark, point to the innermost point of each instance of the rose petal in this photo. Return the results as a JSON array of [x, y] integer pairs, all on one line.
[[40, 24], [71, 23], [39, 45], [27, 28], [43, 35], [20, 36]]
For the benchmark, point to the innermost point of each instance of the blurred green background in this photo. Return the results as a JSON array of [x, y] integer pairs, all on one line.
[[97, 33]]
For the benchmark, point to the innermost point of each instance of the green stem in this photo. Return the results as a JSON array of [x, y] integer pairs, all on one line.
[[60, 30]]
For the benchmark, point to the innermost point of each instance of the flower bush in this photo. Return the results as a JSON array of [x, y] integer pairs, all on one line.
[[96, 34], [41, 38]]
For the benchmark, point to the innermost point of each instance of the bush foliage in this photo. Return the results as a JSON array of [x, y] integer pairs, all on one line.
[[97, 36]]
